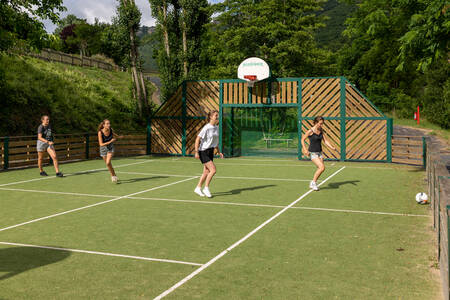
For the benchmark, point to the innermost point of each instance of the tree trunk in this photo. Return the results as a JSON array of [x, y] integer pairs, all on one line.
[[138, 80], [185, 48], [164, 28]]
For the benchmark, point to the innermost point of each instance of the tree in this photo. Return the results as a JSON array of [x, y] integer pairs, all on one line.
[[19, 25], [129, 18], [167, 54], [280, 32], [194, 16], [68, 20], [427, 35]]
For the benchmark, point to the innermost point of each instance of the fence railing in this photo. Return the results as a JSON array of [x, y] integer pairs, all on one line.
[[409, 149], [439, 192], [16, 152], [70, 59]]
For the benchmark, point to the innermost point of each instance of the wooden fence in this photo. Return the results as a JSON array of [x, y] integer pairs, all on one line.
[[438, 178], [16, 152], [408, 149], [74, 60], [357, 129]]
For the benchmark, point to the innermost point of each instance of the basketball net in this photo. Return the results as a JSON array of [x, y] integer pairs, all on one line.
[[251, 79]]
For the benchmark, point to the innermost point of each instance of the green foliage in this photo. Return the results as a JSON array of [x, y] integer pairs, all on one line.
[[19, 25], [76, 98], [427, 35], [148, 44], [86, 38], [68, 20], [384, 56], [280, 32], [335, 13], [173, 17]]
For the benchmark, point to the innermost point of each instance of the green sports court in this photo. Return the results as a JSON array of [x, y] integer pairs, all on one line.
[[263, 235]]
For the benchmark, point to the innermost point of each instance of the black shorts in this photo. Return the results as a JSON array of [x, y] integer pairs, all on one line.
[[206, 155]]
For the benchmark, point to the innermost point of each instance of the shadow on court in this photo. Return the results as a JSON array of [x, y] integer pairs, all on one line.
[[238, 191], [132, 180], [336, 185], [16, 260]]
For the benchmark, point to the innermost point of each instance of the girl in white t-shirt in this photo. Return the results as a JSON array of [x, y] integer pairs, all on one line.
[[205, 143]]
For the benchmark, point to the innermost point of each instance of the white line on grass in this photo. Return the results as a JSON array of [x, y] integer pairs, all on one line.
[[220, 177], [76, 173], [221, 254], [95, 204], [222, 203], [105, 254], [287, 165]]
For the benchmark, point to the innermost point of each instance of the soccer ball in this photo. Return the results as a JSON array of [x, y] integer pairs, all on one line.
[[422, 198]]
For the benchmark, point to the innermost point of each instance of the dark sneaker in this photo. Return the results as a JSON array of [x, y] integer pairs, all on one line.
[[43, 173], [59, 174]]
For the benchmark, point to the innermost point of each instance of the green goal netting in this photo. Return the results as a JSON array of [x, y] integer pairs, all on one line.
[[260, 131]]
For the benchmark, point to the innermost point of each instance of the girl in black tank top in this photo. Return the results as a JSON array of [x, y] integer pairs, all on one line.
[[315, 136], [105, 142]]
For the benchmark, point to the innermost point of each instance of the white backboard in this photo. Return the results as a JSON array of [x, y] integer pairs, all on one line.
[[254, 66]]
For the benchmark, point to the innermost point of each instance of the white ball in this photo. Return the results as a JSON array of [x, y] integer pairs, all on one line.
[[422, 198]]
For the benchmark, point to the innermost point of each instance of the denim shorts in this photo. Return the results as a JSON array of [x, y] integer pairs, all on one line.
[[105, 149], [316, 155], [42, 147]]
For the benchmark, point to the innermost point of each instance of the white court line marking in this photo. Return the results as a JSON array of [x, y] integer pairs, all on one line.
[[105, 254], [76, 173], [221, 254], [288, 165], [221, 177], [95, 204], [222, 203]]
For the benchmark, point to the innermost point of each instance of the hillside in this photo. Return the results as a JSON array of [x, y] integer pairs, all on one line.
[[336, 12], [148, 42], [76, 98]]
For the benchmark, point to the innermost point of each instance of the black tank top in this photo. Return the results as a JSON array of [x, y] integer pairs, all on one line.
[[107, 138], [315, 142]]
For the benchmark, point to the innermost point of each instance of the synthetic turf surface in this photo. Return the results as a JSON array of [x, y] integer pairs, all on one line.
[[360, 237]]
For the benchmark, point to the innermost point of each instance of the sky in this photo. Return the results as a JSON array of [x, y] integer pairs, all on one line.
[[103, 10]]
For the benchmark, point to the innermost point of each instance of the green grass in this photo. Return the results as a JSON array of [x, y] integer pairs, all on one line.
[[87, 95], [329, 245]]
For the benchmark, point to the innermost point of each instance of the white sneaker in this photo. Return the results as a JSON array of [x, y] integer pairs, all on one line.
[[313, 186], [207, 192], [114, 179], [198, 191]]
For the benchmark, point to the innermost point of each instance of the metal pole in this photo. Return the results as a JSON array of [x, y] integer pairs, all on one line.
[[343, 119], [6, 153], [149, 136], [389, 139], [220, 116], [424, 152], [86, 136], [183, 120], [299, 119]]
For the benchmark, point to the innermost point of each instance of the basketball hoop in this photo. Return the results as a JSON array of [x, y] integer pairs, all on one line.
[[251, 79], [253, 69]]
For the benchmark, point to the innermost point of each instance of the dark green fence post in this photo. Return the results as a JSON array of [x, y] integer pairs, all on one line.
[[448, 246], [149, 136], [424, 152], [183, 120], [343, 119], [220, 116], [389, 139], [86, 137], [299, 118], [6, 153]]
